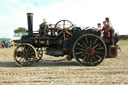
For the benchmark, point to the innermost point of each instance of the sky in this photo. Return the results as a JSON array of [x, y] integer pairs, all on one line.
[[82, 13]]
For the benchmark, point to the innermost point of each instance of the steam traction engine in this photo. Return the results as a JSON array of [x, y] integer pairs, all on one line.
[[85, 45]]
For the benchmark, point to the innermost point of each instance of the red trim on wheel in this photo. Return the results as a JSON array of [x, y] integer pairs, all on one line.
[[90, 49]]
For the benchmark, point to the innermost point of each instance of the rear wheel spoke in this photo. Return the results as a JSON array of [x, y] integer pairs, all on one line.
[[84, 59], [101, 48], [94, 58], [81, 49], [90, 42], [94, 43], [86, 40], [98, 56], [95, 46], [77, 53], [83, 42], [91, 61], [87, 60], [83, 55], [99, 52], [80, 45]]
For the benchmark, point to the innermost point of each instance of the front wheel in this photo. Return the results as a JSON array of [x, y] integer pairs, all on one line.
[[89, 50], [25, 55]]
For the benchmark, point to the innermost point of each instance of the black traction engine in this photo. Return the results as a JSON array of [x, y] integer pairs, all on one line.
[[86, 45]]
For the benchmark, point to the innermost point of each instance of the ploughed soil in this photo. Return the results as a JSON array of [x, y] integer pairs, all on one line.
[[58, 71]]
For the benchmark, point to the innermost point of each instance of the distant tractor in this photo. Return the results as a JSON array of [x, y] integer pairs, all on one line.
[[85, 45]]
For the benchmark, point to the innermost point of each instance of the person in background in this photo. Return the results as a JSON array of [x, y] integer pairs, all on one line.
[[99, 29], [3, 44], [12, 43], [99, 26]]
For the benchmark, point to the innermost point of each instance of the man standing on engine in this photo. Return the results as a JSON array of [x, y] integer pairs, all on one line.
[[43, 29], [110, 29]]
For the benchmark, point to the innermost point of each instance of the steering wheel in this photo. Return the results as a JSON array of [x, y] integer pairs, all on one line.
[[63, 27]]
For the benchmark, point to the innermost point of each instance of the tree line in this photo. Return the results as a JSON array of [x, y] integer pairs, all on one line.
[[124, 37]]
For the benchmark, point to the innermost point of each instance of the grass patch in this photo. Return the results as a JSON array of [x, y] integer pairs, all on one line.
[[123, 42]]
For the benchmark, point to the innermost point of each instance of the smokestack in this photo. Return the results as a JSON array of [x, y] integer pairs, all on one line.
[[30, 23]]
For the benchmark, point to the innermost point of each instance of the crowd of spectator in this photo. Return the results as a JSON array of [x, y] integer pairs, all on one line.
[[7, 44]]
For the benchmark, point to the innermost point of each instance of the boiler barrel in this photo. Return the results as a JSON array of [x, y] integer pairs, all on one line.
[[30, 23]]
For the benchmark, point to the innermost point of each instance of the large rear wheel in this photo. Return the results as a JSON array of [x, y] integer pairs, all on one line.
[[25, 55], [89, 50]]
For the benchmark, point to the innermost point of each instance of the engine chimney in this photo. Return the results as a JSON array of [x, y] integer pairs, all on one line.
[[30, 23]]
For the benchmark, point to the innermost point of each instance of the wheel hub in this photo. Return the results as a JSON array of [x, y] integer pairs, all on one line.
[[89, 51]]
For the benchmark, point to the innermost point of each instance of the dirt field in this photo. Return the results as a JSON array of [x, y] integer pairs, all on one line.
[[49, 71]]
